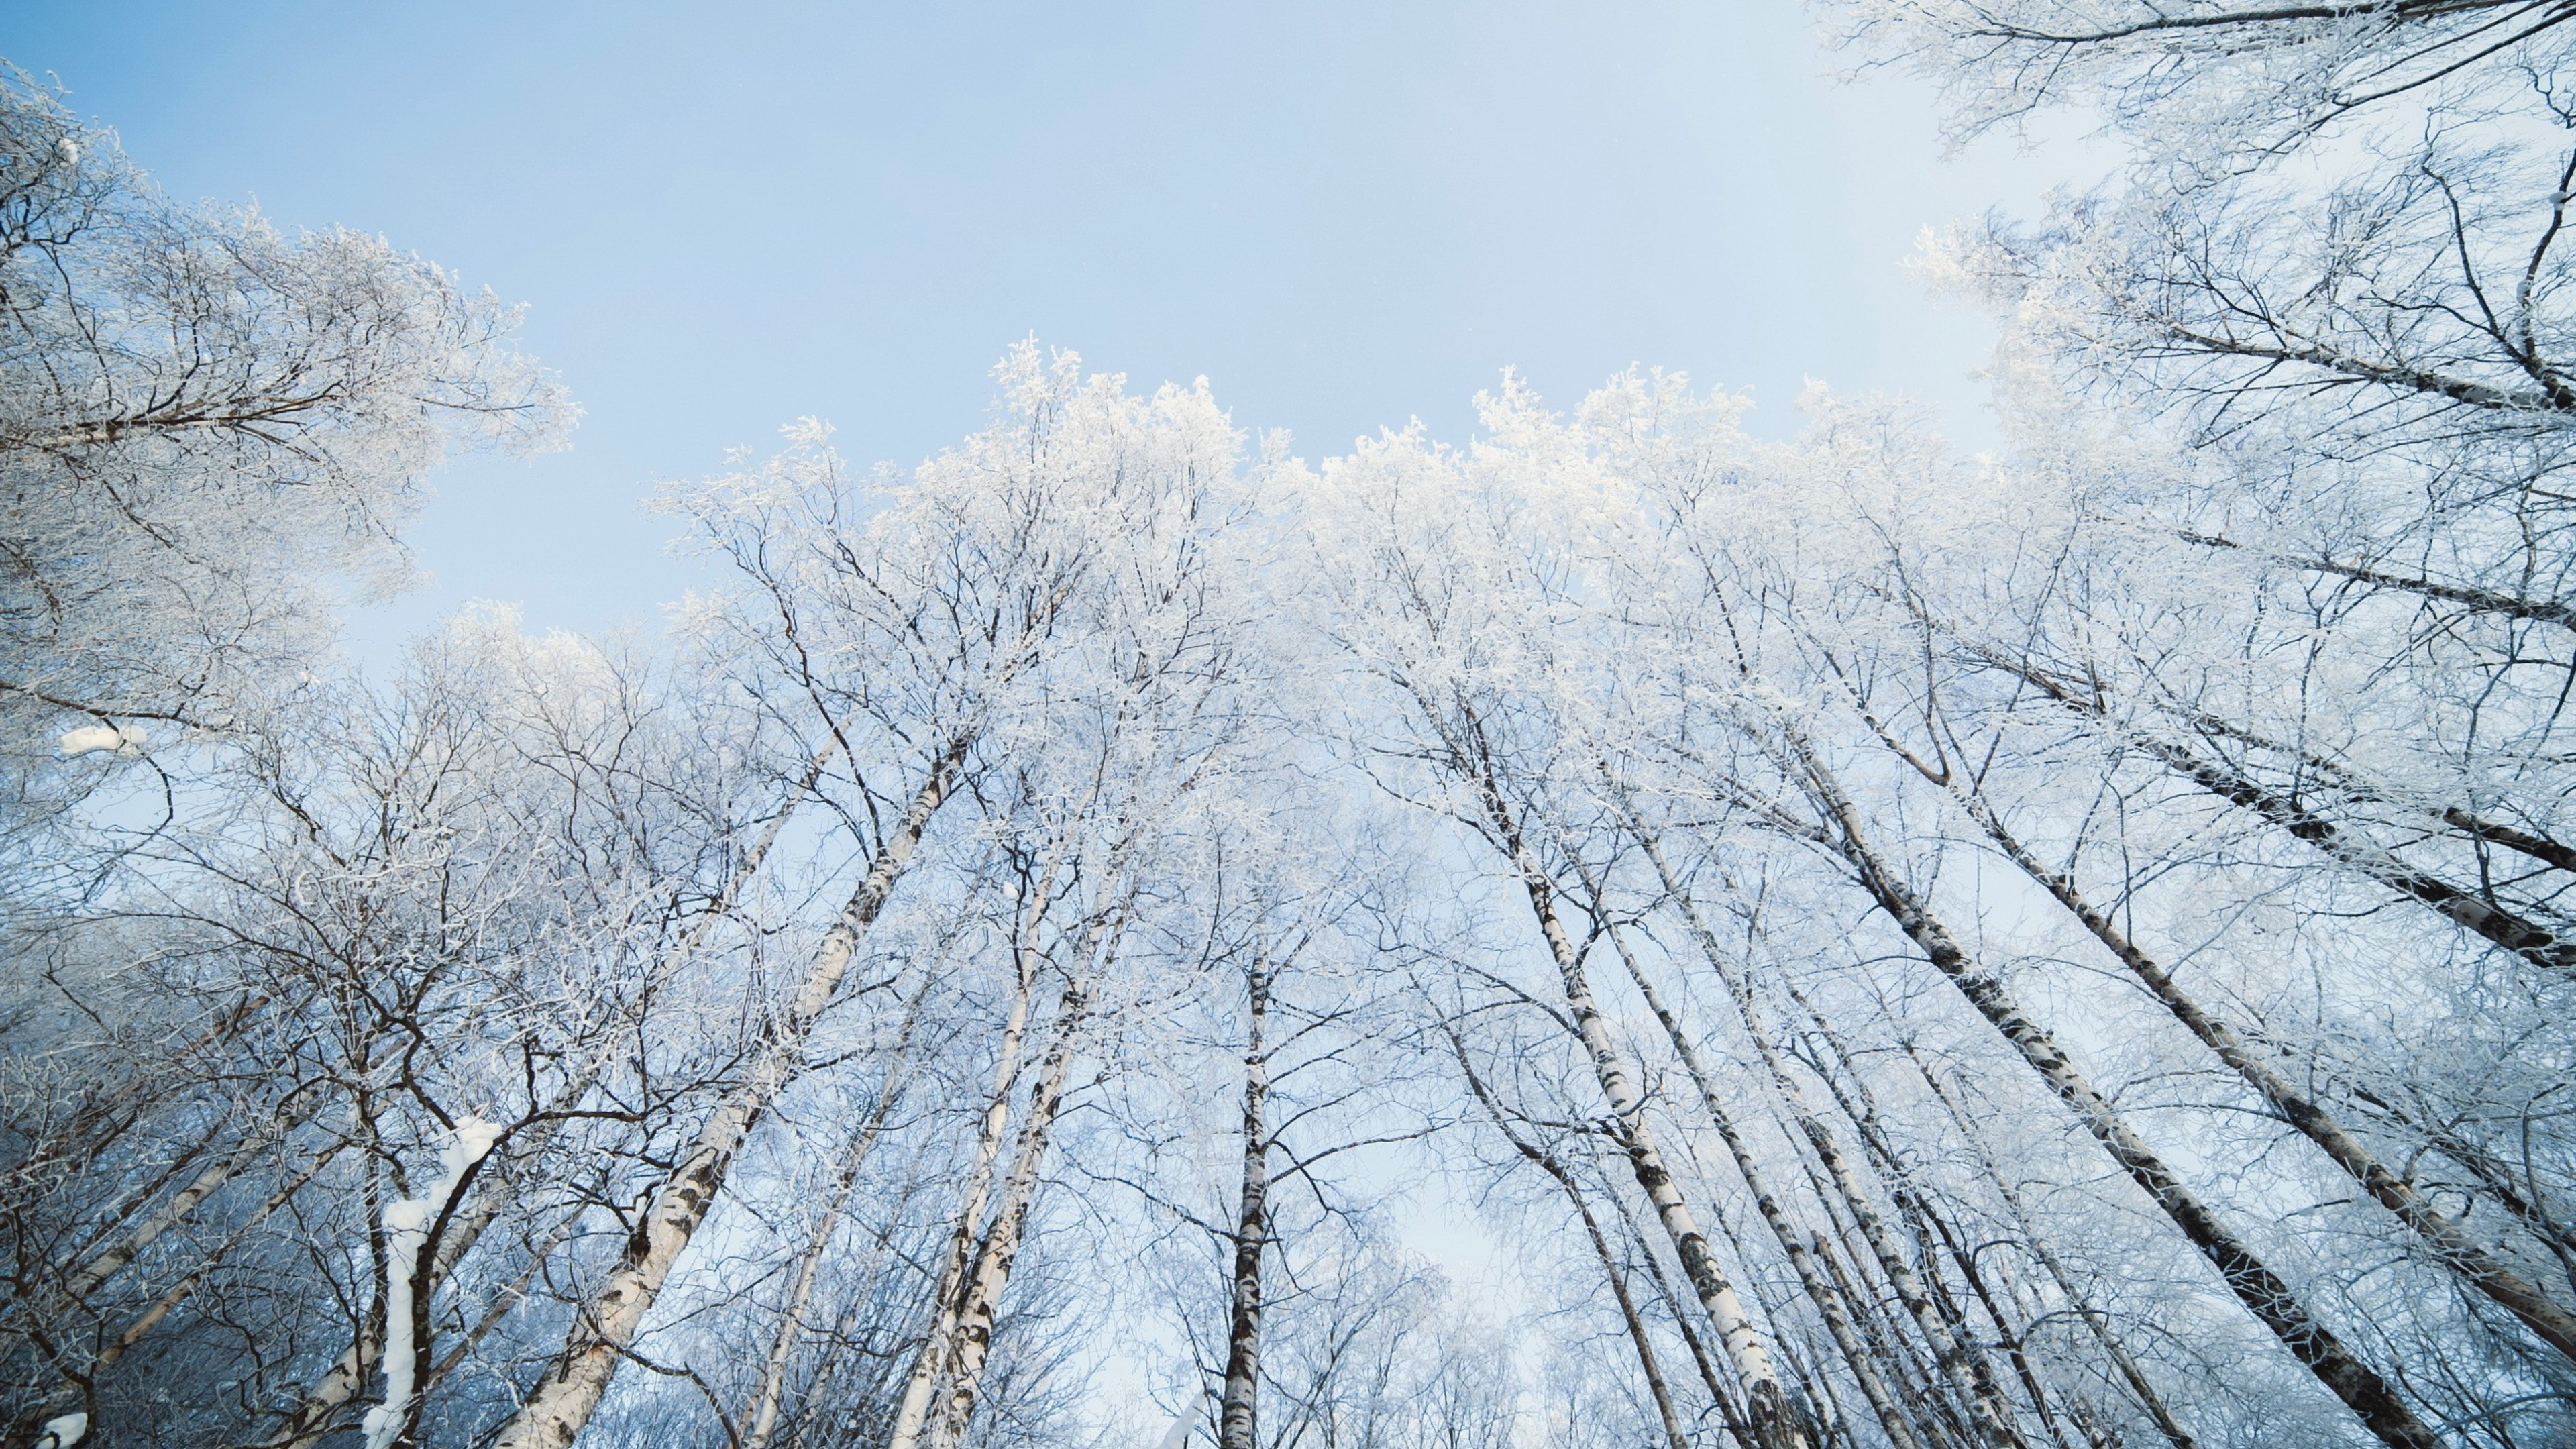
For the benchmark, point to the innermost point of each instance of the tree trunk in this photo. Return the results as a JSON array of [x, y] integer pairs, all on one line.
[[340, 1385], [2482, 1270], [1238, 1409], [2093, 1318], [1992, 1421], [1729, 1411], [912, 1414], [2255, 1285], [1766, 1405], [1547, 1162], [562, 1399], [178, 1292], [1001, 1246], [1829, 1305], [2534, 943], [1767, 1411]]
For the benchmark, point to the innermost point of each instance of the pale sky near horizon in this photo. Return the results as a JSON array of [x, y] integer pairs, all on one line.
[[724, 217]]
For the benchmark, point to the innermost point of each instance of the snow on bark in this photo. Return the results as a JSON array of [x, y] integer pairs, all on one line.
[[408, 1224]]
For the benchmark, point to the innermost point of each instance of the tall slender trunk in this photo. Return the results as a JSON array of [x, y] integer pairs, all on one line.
[[98, 1125], [837, 1342], [178, 1292], [1729, 1411], [1935, 1234], [1238, 1410], [1992, 1421], [2502, 1180], [1767, 1411], [912, 1413], [1647, 1363], [1828, 1304], [1557, 1172], [2480, 1269], [1766, 1405], [1933, 1420], [2470, 596], [762, 1420], [1001, 1246], [1939, 1305], [2094, 1320], [2262, 1291], [562, 1399], [79, 1376]]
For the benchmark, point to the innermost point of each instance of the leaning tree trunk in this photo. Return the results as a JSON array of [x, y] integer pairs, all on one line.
[[2263, 1292], [1772, 1422], [317, 1412], [2474, 1265], [1992, 1421], [981, 1299], [2095, 1322], [2540, 945], [1546, 1162], [938, 1340], [1729, 1412], [562, 1399], [1767, 1203]]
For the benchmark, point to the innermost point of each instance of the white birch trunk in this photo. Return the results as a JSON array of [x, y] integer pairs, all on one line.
[[2094, 1321], [1991, 1419], [973, 1340], [1767, 1405], [1770, 1421], [561, 1401], [930, 1367], [2482, 1270], [1238, 1409], [2370, 1397], [340, 1384], [1829, 1305]]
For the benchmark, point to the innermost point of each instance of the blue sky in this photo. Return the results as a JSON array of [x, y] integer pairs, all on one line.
[[1341, 214]]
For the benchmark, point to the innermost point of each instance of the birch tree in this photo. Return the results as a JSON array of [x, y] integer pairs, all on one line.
[[215, 432]]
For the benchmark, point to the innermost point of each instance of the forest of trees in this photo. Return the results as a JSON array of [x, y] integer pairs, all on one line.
[[2059, 947]]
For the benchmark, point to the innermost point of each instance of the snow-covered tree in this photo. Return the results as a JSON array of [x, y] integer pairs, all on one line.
[[211, 433]]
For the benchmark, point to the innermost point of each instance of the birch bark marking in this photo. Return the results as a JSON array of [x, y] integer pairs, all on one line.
[[108, 1262], [2262, 1291], [1992, 1420], [1767, 1406], [1001, 1246], [561, 1402], [1238, 1409], [1770, 1419]]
